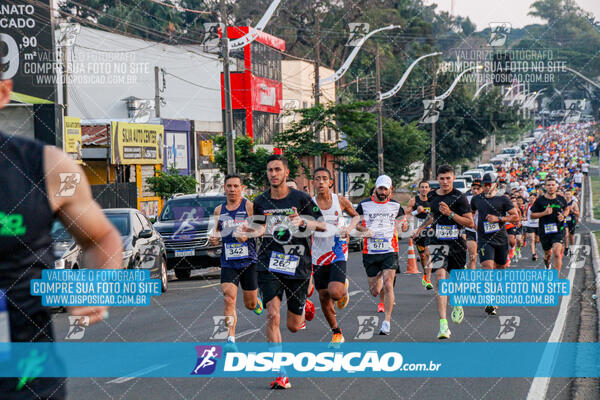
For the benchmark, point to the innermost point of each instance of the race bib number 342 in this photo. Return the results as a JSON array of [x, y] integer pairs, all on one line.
[[236, 251], [283, 263]]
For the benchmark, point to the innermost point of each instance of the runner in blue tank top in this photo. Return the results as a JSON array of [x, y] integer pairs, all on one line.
[[238, 253]]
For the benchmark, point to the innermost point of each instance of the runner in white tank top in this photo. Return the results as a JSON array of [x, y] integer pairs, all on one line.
[[330, 250], [326, 245]]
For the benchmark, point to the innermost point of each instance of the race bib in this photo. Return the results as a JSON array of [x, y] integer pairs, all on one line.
[[236, 251], [283, 263], [378, 245], [569, 218], [4, 322], [446, 232], [491, 227], [550, 228]]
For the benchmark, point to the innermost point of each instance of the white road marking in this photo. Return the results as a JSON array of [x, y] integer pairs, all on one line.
[[195, 287], [352, 293], [539, 385], [246, 333], [137, 374]]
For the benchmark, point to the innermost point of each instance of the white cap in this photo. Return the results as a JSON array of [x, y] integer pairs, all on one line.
[[383, 180]]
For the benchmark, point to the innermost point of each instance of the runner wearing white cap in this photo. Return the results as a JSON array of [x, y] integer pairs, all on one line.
[[382, 217]]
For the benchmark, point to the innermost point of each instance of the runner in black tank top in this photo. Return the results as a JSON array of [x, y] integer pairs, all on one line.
[[28, 205], [420, 210]]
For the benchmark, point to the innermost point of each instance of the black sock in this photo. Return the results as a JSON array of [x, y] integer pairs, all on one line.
[[337, 330]]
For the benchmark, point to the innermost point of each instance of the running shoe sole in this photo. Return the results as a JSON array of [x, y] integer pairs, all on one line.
[[444, 335], [458, 314]]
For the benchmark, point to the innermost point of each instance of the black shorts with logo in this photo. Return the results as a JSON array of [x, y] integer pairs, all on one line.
[[375, 263], [491, 251], [548, 241], [456, 254], [471, 235], [512, 231], [571, 226], [273, 285], [531, 229], [246, 277], [334, 272]]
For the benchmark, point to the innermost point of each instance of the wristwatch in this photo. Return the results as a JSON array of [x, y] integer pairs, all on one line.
[[302, 227], [451, 216]]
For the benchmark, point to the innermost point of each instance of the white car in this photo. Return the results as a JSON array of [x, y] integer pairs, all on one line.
[[475, 173], [486, 167], [461, 185]]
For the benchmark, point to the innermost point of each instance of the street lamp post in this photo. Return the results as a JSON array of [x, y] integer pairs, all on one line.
[[440, 98]]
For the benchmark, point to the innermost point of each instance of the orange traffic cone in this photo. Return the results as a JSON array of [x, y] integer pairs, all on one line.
[[411, 267]]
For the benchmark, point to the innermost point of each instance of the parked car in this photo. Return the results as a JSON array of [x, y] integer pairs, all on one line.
[[497, 162], [475, 173], [513, 152], [434, 185], [467, 178], [487, 167], [143, 246], [66, 251], [184, 226], [461, 185]]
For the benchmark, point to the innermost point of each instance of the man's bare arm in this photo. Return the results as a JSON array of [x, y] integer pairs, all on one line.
[[80, 214], [82, 217]]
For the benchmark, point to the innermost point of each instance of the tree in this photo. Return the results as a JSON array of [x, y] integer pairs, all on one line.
[[170, 182], [299, 141], [356, 124], [250, 162], [403, 145]]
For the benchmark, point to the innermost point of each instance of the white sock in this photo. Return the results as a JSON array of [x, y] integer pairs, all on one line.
[[231, 339]]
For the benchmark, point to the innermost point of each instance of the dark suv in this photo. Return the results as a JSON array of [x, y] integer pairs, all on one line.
[[184, 225]]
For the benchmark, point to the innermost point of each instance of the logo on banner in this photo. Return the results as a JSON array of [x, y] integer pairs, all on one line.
[[358, 30], [77, 327], [268, 95], [221, 328], [508, 327], [357, 183], [580, 253], [367, 325], [207, 359], [439, 255], [432, 111], [574, 109], [499, 32]]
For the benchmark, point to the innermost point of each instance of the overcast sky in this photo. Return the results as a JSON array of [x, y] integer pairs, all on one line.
[[482, 12]]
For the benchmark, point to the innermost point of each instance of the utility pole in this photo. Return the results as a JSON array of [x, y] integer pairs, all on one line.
[[156, 91], [379, 115], [433, 133], [228, 117], [65, 77], [317, 93]]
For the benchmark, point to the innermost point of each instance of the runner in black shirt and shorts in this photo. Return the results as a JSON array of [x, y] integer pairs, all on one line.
[[449, 212], [493, 212], [286, 218], [551, 209]]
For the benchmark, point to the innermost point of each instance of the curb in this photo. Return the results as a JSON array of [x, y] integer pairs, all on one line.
[[595, 251]]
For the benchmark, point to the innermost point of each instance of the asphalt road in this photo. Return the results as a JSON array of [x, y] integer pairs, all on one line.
[[185, 314]]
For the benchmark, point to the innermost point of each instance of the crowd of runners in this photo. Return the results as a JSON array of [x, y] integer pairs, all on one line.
[[285, 243]]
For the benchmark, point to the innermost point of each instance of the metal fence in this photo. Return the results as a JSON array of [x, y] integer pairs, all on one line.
[[116, 195]]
